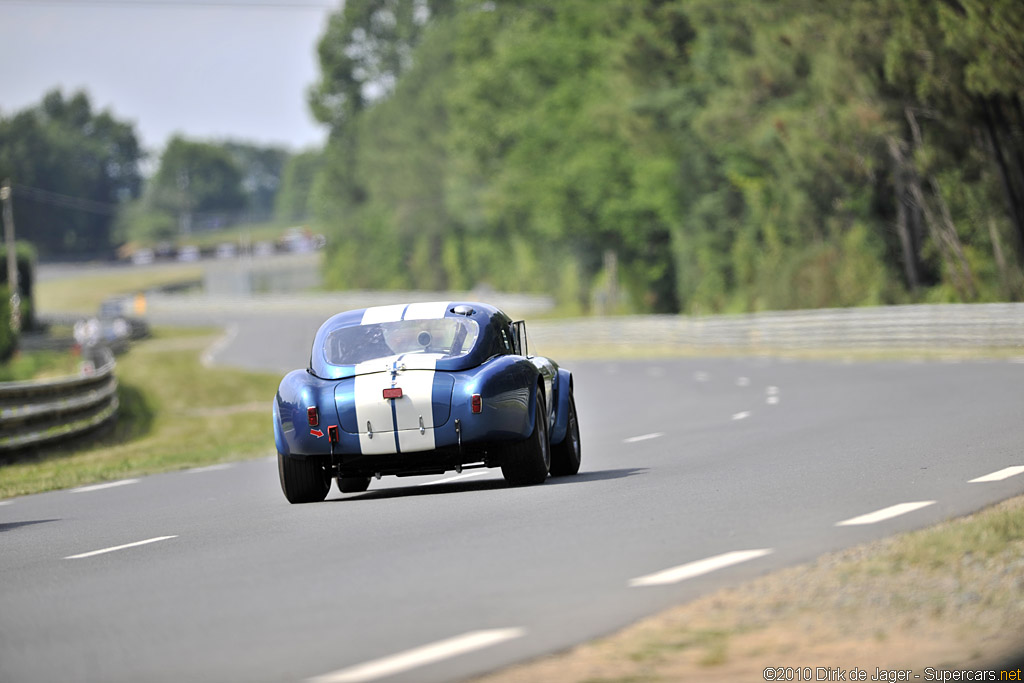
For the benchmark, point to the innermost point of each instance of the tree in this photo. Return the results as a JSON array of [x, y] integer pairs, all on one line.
[[198, 182], [71, 168]]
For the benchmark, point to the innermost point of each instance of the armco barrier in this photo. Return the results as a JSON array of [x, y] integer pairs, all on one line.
[[34, 413], [924, 326]]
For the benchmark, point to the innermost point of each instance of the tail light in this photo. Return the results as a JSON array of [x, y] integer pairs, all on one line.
[[477, 403], [332, 433], [313, 415]]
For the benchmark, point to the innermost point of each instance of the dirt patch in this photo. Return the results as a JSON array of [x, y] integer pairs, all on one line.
[[949, 598]]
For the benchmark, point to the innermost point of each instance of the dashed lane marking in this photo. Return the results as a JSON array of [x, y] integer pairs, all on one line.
[[743, 381], [643, 437], [698, 568], [6, 502], [210, 468], [93, 553], [885, 513], [741, 416], [772, 391], [420, 656], [216, 347], [1005, 473], [108, 485], [457, 477], [701, 376], [772, 400]]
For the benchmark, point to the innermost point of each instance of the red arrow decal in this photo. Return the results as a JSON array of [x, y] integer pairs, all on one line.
[[316, 432]]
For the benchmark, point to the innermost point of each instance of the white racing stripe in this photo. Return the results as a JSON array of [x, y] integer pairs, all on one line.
[[93, 553], [428, 311], [108, 485], [643, 437], [458, 477], [420, 656], [698, 568], [885, 513], [382, 314], [1000, 475]]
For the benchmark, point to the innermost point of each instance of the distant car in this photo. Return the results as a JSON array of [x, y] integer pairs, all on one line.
[[263, 249], [143, 257], [422, 388], [226, 250], [188, 253]]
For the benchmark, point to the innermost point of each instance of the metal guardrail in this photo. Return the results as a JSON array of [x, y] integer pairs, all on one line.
[[919, 326], [34, 413]]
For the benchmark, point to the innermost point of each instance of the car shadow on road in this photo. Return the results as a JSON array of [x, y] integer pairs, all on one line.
[[598, 475], [486, 485], [11, 526]]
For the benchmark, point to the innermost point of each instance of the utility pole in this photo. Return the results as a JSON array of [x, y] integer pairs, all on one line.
[[12, 257]]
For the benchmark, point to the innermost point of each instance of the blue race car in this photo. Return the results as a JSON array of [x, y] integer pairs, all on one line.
[[418, 389]]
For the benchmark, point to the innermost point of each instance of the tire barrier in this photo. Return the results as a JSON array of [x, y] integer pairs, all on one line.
[[39, 412]]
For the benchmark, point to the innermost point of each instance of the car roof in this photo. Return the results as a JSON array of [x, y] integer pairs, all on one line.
[[489, 318]]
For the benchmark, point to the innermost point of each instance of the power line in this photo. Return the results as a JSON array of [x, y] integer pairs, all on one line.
[[63, 200], [183, 4]]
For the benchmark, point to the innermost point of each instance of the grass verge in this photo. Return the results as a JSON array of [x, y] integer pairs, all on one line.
[[84, 292], [174, 414], [30, 365], [950, 597]]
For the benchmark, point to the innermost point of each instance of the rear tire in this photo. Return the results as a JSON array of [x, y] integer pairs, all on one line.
[[527, 462], [566, 456], [303, 481], [353, 484]]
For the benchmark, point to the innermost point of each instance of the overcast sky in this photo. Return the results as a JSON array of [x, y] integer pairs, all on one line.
[[209, 69]]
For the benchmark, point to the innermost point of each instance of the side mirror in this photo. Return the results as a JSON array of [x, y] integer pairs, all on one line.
[[519, 344]]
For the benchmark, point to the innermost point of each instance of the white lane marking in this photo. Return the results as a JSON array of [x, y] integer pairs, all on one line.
[[741, 416], [772, 400], [772, 391], [743, 381], [643, 437], [885, 513], [655, 372], [698, 568], [6, 502], [1017, 359], [701, 376], [420, 656], [1000, 475], [457, 477], [216, 347], [210, 468], [108, 485], [118, 547]]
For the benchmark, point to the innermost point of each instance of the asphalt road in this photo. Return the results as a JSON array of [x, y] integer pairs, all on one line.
[[724, 468]]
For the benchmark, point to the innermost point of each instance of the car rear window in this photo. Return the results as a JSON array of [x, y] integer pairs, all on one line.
[[446, 337]]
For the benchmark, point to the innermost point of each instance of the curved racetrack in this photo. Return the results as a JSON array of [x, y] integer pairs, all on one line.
[[717, 469]]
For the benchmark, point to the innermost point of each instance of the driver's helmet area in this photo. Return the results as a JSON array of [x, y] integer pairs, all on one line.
[[441, 337]]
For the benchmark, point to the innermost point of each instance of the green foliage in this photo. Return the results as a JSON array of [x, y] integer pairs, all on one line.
[[25, 255], [725, 156], [8, 340], [293, 201], [90, 158], [196, 177]]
